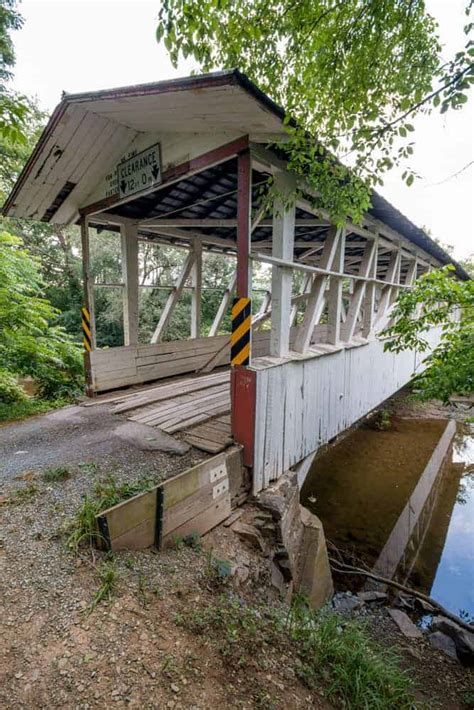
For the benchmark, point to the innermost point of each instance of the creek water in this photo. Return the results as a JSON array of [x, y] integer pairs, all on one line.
[[363, 490]]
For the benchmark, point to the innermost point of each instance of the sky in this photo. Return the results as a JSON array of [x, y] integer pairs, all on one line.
[[82, 45]]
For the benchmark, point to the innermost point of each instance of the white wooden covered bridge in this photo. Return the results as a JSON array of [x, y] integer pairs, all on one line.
[[183, 163]]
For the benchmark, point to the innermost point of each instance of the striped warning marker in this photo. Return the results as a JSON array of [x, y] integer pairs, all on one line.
[[86, 329], [240, 337]]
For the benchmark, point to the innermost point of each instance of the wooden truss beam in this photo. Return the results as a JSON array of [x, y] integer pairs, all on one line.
[[315, 303], [173, 298], [223, 306], [359, 291]]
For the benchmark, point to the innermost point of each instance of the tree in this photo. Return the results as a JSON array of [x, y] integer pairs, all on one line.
[[14, 108], [30, 341], [438, 300], [353, 73]]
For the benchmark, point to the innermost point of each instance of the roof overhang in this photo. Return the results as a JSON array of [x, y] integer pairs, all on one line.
[[89, 133]]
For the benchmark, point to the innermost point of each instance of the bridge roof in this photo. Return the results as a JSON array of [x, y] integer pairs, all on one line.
[[89, 133]]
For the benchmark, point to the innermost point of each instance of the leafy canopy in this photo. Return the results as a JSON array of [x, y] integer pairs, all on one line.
[[30, 343], [14, 108], [351, 72], [437, 300]]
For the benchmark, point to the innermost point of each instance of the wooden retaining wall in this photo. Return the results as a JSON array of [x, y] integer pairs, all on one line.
[[304, 403], [194, 501]]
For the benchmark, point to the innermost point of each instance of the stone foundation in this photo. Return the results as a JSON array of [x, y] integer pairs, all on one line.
[[298, 551]]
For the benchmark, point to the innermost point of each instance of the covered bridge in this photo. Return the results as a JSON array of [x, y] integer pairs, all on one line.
[[182, 163]]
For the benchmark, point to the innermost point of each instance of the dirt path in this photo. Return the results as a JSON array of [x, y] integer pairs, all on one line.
[[75, 434]]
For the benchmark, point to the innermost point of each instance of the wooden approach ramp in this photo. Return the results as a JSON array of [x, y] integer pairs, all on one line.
[[198, 406]]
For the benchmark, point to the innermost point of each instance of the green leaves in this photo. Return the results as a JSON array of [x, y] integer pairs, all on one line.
[[30, 341], [437, 300], [350, 73]]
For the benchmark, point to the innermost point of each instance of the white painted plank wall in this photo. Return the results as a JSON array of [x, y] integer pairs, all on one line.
[[303, 404], [128, 365]]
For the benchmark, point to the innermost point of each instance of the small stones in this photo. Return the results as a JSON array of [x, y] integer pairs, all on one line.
[[343, 601], [405, 624]]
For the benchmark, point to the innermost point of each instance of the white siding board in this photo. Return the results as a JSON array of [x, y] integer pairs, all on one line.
[[299, 405]]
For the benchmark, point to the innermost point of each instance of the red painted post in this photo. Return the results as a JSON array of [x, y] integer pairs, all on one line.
[[242, 379], [244, 184]]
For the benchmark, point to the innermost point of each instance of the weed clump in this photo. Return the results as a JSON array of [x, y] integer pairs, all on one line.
[[108, 577], [107, 492], [22, 495], [361, 674], [52, 475]]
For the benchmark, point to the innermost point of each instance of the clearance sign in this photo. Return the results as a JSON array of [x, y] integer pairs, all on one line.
[[141, 172]]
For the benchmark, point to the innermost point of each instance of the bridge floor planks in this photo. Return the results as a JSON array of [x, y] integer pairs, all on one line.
[[197, 406]]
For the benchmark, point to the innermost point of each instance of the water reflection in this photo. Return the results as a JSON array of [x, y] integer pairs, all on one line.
[[380, 503]]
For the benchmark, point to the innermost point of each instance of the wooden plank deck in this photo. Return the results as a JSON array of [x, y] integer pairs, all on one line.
[[198, 406], [213, 436]]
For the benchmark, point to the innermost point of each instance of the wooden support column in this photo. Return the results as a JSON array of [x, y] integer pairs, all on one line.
[[88, 282], [244, 210], [243, 380], [129, 238], [335, 293], [282, 276], [196, 279], [316, 300], [88, 286]]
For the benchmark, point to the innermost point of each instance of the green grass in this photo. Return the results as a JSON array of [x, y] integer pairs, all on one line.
[[107, 492], [328, 652], [52, 475], [17, 411], [360, 673]]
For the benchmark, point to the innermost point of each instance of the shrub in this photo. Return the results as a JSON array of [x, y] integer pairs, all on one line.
[[10, 390], [31, 343]]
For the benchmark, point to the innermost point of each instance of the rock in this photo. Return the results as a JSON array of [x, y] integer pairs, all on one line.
[[463, 639], [405, 602], [443, 643], [273, 503], [373, 596], [148, 438], [262, 519], [423, 606], [345, 602], [405, 624], [277, 578], [174, 688], [250, 535]]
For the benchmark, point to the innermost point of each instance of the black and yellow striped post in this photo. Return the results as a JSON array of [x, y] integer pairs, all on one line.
[[86, 330], [241, 326]]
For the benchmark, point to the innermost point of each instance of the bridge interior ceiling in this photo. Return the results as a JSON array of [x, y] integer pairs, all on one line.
[[205, 205]]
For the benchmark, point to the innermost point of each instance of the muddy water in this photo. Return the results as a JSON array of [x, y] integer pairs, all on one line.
[[362, 490]]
